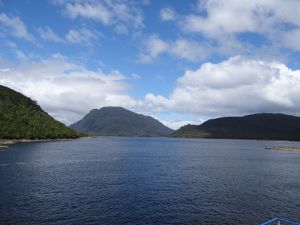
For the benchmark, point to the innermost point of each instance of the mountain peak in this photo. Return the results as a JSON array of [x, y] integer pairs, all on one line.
[[118, 121]]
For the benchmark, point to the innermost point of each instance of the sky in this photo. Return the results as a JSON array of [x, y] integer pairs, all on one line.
[[180, 61]]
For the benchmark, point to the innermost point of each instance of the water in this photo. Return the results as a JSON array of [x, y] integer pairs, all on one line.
[[148, 181]]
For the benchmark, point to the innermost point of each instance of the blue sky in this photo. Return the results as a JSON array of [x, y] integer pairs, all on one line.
[[179, 61]]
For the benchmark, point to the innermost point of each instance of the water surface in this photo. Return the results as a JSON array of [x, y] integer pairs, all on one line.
[[148, 181]]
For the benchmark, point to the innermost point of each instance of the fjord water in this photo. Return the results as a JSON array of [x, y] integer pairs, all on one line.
[[114, 180]]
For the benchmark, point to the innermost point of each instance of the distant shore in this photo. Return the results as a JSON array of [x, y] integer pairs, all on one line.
[[292, 149]]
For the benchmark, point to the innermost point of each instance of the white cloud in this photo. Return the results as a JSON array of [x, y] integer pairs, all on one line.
[[154, 47], [48, 34], [232, 16], [20, 55], [76, 36], [15, 26], [121, 29], [167, 14], [176, 124], [119, 14], [291, 39], [219, 19], [235, 86], [95, 11], [189, 50], [82, 36], [180, 48], [126, 12], [135, 76], [222, 18], [65, 90]]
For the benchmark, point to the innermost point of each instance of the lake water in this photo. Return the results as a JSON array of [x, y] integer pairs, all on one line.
[[114, 180]]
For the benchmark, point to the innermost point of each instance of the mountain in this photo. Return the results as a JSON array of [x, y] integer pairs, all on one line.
[[256, 126], [23, 118], [117, 121]]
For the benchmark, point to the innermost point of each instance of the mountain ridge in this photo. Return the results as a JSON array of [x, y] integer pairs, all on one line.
[[273, 126]]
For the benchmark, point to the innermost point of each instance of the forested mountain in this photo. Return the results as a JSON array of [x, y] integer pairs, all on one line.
[[257, 126], [23, 118]]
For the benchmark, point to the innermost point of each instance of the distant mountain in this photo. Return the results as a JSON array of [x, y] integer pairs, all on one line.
[[256, 126], [23, 118], [117, 121]]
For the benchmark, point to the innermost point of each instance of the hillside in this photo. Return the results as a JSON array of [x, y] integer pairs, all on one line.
[[117, 121], [23, 118], [256, 126]]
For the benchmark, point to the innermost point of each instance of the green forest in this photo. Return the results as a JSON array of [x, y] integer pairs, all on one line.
[[23, 118]]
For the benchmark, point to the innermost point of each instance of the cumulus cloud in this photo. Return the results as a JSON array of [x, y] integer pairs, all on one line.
[[154, 47], [220, 19], [15, 26], [253, 16], [167, 14], [65, 90], [232, 87], [180, 48]]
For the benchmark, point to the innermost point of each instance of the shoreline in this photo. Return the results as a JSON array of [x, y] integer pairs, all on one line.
[[5, 143]]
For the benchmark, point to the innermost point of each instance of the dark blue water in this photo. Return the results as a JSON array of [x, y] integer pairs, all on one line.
[[148, 181]]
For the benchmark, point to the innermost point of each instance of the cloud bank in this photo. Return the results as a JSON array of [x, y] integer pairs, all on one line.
[[235, 86], [232, 87], [65, 90]]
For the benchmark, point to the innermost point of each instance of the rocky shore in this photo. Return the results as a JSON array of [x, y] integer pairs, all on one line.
[[4, 143]]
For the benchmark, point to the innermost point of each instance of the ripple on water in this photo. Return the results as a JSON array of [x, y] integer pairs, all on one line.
[[148, 181]]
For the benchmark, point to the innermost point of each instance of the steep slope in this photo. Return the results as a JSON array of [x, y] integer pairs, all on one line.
[[256, 126], [117, 121], [23, 118]]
